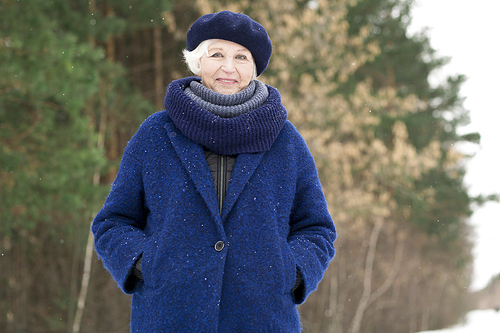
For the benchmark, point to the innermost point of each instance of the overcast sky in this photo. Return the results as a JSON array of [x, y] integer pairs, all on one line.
[[469, 32]]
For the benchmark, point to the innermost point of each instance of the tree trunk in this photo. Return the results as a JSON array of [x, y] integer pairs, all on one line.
[[436, 303], [90, 240], [413, 322], [158, 60], [73, 289], [85, 283], [367, 284]]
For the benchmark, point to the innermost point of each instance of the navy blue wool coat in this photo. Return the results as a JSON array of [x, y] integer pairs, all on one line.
[[163, 206]]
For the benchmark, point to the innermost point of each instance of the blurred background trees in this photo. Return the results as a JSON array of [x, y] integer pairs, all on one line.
[[78, 77]]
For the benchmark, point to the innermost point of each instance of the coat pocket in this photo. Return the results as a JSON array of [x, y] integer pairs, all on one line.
[[289, 268], [148, 257], [159, 264]]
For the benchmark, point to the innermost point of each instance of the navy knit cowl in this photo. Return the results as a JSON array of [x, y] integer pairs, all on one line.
[[251, 132]]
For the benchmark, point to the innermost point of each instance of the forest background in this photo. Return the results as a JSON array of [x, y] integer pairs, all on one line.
[[78, 77]]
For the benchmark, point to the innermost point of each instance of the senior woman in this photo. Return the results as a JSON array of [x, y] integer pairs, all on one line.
[[216, 221]]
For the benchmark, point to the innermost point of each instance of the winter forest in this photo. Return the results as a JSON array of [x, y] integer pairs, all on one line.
[[78, 77]]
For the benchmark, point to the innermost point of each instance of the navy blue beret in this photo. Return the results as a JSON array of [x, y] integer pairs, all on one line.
[[234, 27]]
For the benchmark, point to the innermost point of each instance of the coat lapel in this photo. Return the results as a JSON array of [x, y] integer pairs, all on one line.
[[243, 170], [193, 159]]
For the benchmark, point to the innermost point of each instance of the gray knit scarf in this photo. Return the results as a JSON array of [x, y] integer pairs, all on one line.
[[228, 106]]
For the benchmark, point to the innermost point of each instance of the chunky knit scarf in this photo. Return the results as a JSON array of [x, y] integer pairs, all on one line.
[[249, 126], [228, 106]]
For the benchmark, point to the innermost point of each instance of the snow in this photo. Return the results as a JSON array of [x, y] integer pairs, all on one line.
[[477, 321]]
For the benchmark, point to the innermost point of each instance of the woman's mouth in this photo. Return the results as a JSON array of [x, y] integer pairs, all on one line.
[[227, 81]]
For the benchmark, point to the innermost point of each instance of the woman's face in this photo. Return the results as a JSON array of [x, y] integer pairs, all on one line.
[[228, 68]]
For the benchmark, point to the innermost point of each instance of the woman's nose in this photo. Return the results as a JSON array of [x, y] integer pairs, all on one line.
[[228, 65]]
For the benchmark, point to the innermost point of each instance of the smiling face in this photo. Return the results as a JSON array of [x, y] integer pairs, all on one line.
[[228, 68]]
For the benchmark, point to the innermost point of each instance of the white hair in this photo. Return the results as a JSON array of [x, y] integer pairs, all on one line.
[[192, 58]]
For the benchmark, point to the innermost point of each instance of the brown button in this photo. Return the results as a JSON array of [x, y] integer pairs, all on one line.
[[219, 246]]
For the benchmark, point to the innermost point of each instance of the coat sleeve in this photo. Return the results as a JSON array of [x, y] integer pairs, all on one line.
[[312, 231], [118, 227]]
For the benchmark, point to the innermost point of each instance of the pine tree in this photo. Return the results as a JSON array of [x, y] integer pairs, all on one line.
[[404, 64], [47, 156], [62, 94]]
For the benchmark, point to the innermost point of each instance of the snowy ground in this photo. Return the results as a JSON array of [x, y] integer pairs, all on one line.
[[478, 321]]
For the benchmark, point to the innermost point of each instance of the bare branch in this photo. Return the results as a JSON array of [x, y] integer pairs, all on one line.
[[392, 274]]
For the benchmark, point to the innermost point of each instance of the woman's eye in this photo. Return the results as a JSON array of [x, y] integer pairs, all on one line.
[[216, 55], [241, 57]]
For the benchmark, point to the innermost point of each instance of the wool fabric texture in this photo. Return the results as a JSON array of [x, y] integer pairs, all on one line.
[[235, 27], [228, 106], [205, 270], [251, 132]]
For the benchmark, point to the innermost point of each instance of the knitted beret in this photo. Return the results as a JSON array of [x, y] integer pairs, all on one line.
[[234, 27]]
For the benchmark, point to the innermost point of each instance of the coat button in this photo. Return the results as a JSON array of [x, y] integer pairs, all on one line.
[[219, 246]]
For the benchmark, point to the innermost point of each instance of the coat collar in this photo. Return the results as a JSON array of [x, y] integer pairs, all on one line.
[[243, 170]]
